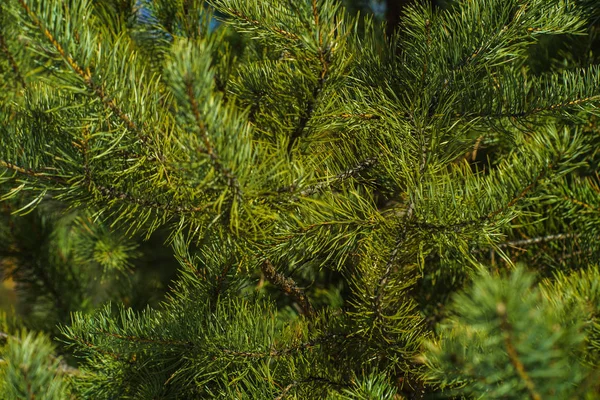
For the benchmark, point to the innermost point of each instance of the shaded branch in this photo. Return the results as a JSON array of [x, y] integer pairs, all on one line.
[[11, 60], [208, 147], [139, 339], [311, 104], [363, 165], [273, 352], [286, 389], [308, 112], [288, 286], [364, 116], [115, 194]]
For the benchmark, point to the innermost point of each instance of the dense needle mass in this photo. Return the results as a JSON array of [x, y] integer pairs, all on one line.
[[298, 203]]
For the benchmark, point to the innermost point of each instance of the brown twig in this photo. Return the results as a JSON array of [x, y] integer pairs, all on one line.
[[32, 173], [288, 286], [363, 165], [285, 390]]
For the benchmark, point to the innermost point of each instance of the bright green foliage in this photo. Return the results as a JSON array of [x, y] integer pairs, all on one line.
[[332, 197], [504, 340], [578, 295], [29, 370]]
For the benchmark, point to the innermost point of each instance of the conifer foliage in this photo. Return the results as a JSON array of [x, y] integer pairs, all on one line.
[[354, 215]]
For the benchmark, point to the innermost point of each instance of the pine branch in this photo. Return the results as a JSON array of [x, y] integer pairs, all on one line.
[[350, 173], [324, 64], [275, 352], [532, 112], [144, 340], [536, 240], [87, 78], [308, 111], [112, 193], [63, 367], [287, 286], [380, 289], [456, 227], [513, 355], [363, 116], [33, 173], [11, 60], [312, 102], [286, 389], [408, 215], [92, 348], [255, 23], [208, 148]]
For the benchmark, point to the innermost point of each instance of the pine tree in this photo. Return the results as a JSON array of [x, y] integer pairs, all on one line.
[[353, 215]]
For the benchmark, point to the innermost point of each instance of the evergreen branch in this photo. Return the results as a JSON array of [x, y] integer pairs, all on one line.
[[363, 165], [581, 203], [311, 104], [513, 355], [534, 111], [379, 290], [11, 60], [274, 353], [536, 240], [324, 64], [487, 44], [521, 194], [555, 107], [401, 237], [286, 389], [32, 173], [532, 241], [86, 76], [308, 228], [209, 150], [456, 227], [139, 339], [220, 279], [63, 367], [315, 12], [288, 286], [364, 116], [427, 52], [309, 110], [94, 348], [250, 21], [115, 194]]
